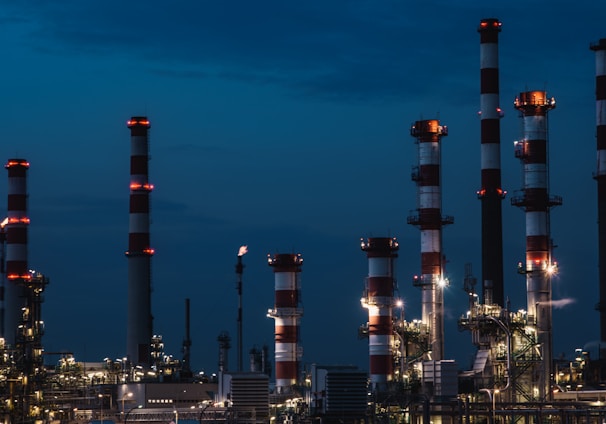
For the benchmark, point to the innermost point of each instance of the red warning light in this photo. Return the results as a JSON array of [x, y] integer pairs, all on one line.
[[17, 276], [12, 163], [137, 186], [137, 122], [22, 220]]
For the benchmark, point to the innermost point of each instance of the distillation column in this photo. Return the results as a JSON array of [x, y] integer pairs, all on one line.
[[536, 202], [379, 300], [491, 194], [17, 273], [600, 175], [139, 318], [428, 134], [287, 313]]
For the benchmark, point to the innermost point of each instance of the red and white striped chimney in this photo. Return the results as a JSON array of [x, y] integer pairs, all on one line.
[[16, 247], [379, 300], [600, 176], [2, 275], [139, 318], [536, 202], [491, 194], [430, 221], [287, 314]]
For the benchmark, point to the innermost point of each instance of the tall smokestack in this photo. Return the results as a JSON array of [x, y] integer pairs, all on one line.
[[536, 202], [600, 176], [239, 271], [491, 192], [2, 275], [379, 300], [17, 272], [430, 221], [287, 313], [139, 321]]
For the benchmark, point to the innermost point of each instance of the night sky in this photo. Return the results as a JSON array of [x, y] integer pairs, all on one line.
[[284, 126]]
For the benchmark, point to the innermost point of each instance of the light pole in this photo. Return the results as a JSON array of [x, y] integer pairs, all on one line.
[[129, 411], [202, 411], [101, 400], [124, 396]]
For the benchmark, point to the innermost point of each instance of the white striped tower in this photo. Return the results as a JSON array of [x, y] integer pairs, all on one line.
[[287, 315], [491, 194], [379, 300], [428, 134], [17, 272], [600, 175], [139, 315], [536, 202]]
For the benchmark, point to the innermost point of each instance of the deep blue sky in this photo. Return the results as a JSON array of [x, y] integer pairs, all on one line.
[[283, 126]]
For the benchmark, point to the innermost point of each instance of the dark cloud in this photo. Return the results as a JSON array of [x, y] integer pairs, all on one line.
[[337, 49]]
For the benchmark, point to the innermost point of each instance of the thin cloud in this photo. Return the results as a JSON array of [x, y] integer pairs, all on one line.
[[339, 51]]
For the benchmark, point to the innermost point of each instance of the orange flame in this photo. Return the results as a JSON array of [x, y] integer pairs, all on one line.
[[243, 250]]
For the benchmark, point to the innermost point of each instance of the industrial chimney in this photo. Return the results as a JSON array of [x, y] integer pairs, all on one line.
[[600, 175], [287, 313], [139, 319], [430, 221], [379, 300], [491, 192], [536, 202], [17, 272]]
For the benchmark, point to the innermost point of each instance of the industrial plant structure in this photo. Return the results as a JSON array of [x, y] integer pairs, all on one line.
[[430, 221], [17, 271], [379, 299], [287, 313], [491, 192], [600, 176], [139, 321], [410, 378]]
